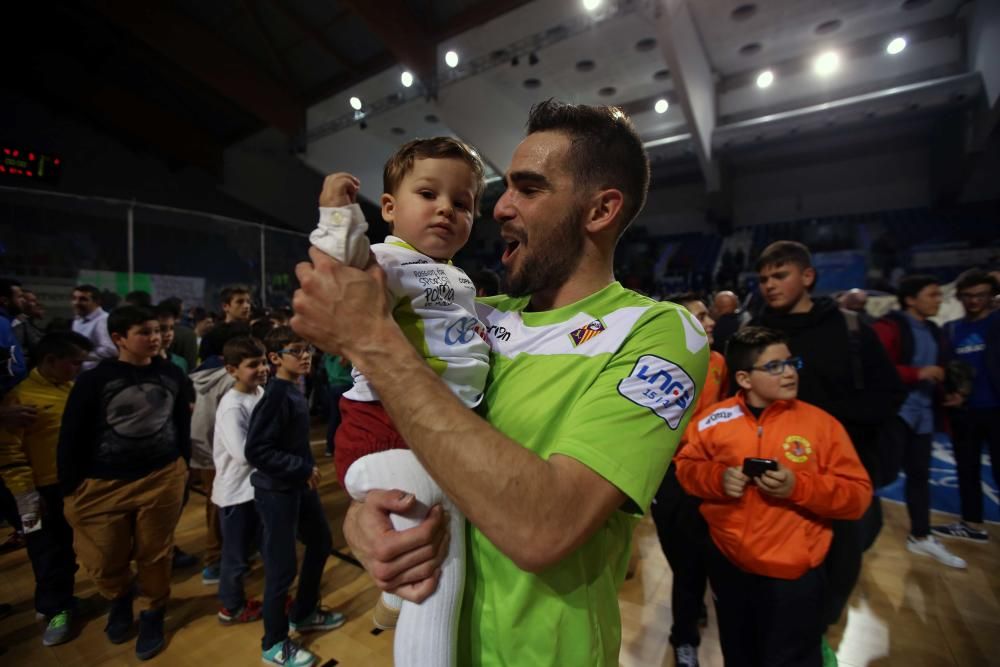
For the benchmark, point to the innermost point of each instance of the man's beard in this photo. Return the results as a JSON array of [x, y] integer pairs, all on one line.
[[552, 259]]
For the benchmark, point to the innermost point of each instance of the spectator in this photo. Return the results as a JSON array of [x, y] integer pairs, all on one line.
[[236, 303], [975, 339], [855, 300], [27, 327], [848, 374], [920, 351], [140, 298], [185, 342], [725, 312], [12, 364], [91, 321]]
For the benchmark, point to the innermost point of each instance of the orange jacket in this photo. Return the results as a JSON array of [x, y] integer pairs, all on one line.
[[716, 383], [781, 538]]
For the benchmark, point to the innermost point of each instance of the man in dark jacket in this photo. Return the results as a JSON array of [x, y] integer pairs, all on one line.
[[920, 353], [847, 373]]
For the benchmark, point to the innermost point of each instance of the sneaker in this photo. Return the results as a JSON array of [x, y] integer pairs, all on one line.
[[251, 611], [58, 631], [962, 531], [929, 546], [119, 619], [288, 654], [686, 655], [320, 619], [829, 655], [210, 575], [384, 616], [182, 560], [150, 641]]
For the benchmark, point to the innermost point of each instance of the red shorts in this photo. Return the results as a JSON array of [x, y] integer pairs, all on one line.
[[365, 428]]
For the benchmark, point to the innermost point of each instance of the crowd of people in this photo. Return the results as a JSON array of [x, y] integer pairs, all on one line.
[[498, 450]]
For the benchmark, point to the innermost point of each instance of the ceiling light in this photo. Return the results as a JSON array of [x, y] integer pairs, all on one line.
[[406, 79], [765, 79], [895, 46], [661, 106], [826, 63], [356, 104], [451, 59], [591, 5]]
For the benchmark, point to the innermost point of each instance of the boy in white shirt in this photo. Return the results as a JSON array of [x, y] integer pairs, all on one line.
[[431, 192], [246, 362]]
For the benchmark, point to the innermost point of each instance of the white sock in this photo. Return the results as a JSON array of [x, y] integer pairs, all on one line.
[[427, 633], [340, 233]]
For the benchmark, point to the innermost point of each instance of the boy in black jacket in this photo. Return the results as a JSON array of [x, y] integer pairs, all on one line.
[[122, 458], [285, 482]]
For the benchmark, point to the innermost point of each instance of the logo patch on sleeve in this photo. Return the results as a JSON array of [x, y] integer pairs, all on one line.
[[660, 385]]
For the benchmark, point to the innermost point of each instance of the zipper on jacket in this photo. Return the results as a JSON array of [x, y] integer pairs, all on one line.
[[746, 525]]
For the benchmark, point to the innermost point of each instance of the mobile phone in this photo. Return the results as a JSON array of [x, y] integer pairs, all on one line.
[[754, 467]]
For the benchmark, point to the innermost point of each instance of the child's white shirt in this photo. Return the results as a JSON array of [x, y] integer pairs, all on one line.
[[232, 472]]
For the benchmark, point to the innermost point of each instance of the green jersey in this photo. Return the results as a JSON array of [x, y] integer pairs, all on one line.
[[610, 381]]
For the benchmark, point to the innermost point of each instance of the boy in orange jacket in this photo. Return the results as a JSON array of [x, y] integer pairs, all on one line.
[[769, 520]]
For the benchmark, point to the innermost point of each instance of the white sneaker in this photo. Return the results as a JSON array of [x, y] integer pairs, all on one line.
[[929, 546]]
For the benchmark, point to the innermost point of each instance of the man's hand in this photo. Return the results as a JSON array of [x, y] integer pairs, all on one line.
[[407, 562], [932, 373], [17, 416], [778, 483], [734, 482], [340, 189], [314, 479], [338, 308]]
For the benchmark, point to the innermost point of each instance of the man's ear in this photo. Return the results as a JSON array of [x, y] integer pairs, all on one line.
[[117, 339], [743, 379], [388, 208], [809, 277], [605, 210]]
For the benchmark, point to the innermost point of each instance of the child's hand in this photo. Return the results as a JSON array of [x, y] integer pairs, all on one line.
[[314, 479], [778, 483], [734, 482], [340, 189]]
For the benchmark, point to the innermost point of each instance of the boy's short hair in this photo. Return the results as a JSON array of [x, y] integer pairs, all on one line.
[[686, 297], [785, 252], [910, 286], [163, 310], [399, 165], [746, 345], [229, 291], [173, 304], [968, 279], [140, 298], [261, 328], [486, 280], [124, 318], [214, 342], [62, 345], [198, 314], [281, 337], [242, 347], [95, 294]]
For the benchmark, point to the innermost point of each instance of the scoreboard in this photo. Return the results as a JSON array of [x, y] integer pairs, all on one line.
[[27, 165]]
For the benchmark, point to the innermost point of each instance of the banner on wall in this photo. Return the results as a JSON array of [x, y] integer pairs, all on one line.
[[839, 271], [189, 289]]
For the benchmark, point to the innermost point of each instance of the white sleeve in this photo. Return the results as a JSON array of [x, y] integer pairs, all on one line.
[[340, 233], [232, 424], [104, 347]]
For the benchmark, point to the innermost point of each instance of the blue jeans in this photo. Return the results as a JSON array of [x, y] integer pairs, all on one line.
[[239, 532], [286, 515]]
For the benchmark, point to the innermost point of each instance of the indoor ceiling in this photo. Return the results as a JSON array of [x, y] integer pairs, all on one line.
[[189, 79]]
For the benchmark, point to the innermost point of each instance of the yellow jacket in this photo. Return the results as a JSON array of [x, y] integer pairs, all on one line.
[[28, 455]]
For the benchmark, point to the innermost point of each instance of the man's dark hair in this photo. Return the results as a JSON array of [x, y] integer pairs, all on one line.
[[198, 314], [95, 294], [140, 298], [974, 277], [62, 345], [242, 347], [746, 345], [173, 304], [281, 337], [605, 152], [213, 343], [785, 252], [487, 281], [685, 297], [910, 286], [125, 317], [7, 286], [230, 291], [163, 310]]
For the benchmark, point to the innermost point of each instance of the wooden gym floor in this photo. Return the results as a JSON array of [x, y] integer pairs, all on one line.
[[906, 611]]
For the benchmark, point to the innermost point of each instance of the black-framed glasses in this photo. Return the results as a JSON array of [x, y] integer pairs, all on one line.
[[778, 367], [299, 352]]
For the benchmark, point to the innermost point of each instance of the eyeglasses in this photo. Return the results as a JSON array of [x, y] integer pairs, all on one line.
[[778, 367], [298, 351]]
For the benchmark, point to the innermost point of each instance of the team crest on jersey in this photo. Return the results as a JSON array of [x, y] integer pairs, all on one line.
[[660, 385], [586, 332], [797, 449]]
